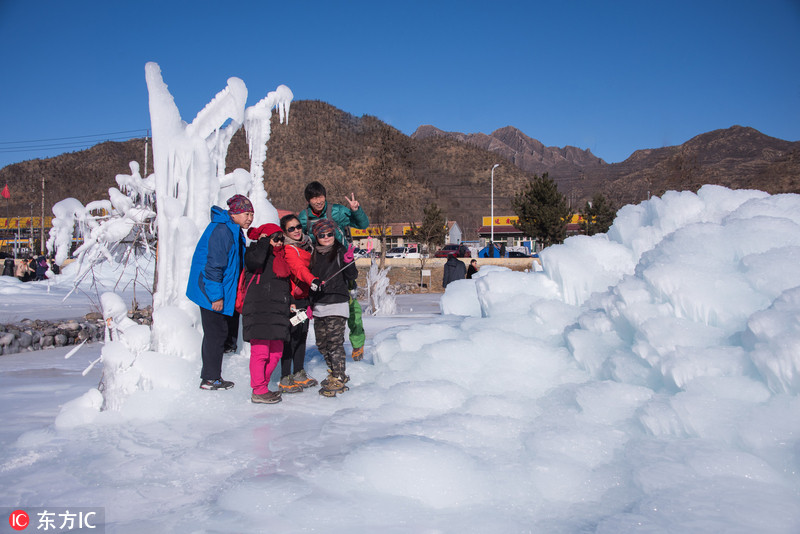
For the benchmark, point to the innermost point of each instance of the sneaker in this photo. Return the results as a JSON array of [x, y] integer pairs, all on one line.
[[303, 380], [358, 354], [332, 386], [229, 349], [287, 385], [216, 384], [270, 397]]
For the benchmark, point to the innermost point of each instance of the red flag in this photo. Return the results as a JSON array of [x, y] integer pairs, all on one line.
[[6, 192]]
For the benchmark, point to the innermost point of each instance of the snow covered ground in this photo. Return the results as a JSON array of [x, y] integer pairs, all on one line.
[[646, 381]]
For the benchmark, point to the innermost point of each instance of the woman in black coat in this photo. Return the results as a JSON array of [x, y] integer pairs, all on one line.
[[265, 313]]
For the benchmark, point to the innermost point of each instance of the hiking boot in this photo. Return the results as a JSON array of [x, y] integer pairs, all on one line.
[[303, 380], [332, 386], [358, 354], [270, 397], [216, 384], [287, 385], [326, 381]]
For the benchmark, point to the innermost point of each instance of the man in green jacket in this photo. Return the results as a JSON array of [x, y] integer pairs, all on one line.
[[346, 217]]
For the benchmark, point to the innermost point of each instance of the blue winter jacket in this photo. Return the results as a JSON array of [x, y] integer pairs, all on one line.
[[217, 263]]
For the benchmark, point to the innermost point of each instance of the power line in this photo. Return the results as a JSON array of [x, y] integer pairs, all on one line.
[[86, 144], [73, 137]]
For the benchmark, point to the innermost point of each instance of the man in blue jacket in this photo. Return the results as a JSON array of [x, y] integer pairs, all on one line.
[[213, 278], [345, 217]]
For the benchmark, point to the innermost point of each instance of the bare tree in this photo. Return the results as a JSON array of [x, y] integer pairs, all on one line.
[[431, 233], [390, 191]]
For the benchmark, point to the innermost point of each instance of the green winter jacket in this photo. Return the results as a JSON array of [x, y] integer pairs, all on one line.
[[344, 218]]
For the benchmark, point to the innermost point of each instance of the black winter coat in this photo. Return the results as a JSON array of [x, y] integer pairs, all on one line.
[[323, 266], [454, 269], [265, 314]]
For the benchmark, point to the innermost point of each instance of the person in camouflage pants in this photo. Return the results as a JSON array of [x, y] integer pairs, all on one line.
[[330, 342], [333, 268]]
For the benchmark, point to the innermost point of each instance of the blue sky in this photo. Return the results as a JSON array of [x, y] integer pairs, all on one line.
[[609, 76]]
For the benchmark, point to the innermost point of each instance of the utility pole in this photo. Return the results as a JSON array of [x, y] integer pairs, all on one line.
[[492, 208], [30, 231], [41, 244]]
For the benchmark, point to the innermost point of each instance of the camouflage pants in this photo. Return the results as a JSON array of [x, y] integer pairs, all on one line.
[[330, 342]]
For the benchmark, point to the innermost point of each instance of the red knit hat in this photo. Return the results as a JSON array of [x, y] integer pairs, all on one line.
[[264, 229]]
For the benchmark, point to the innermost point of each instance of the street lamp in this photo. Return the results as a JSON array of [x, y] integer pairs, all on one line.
[[492, 238]]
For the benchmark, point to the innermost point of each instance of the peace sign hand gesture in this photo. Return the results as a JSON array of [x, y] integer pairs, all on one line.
[[352, 202]]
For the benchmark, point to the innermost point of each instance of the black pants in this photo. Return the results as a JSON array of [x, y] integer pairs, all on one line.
[[294, 351], [233, 331], [216, 328]]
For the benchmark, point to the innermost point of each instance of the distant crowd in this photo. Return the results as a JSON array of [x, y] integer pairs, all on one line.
[[30, 269]]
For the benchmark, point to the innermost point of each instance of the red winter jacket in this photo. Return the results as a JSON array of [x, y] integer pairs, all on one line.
[[299, 262]]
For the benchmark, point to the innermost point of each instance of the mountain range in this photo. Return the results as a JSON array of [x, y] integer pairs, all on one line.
[[737, 157], [451, 169]]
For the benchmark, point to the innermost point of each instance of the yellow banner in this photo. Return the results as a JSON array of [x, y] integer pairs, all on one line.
[[371, 231], [501, 220], [24, 222], [510, 220]]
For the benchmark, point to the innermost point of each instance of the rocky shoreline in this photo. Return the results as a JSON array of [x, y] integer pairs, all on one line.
[[34, 334]]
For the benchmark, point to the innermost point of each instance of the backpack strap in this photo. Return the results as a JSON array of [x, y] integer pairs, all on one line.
[[344, 229], [307, 229]]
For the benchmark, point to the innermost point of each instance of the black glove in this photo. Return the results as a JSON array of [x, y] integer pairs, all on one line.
[[316, 285]]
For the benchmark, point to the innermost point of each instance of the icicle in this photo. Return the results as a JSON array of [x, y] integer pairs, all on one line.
[[91, 366], [74, 350]]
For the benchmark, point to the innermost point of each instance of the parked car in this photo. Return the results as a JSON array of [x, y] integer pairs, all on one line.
[[459, 251], [397, 252], [517, 254], [409, 251], [360, 253]]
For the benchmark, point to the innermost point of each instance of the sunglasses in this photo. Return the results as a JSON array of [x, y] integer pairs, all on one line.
[[278, 238], [293, 228], [328, 234]]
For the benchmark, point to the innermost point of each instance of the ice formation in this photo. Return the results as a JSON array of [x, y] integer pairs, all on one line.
[[189, 178], [645, 381], [380, 299], [190, 175]]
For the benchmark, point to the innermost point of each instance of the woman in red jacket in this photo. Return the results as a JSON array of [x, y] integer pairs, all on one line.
[[298, 255]]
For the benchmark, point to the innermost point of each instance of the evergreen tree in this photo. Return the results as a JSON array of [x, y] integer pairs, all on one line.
[[598, 215], [543, 212]]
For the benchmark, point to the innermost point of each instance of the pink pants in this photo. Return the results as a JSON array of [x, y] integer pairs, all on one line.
[[264, 356]]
